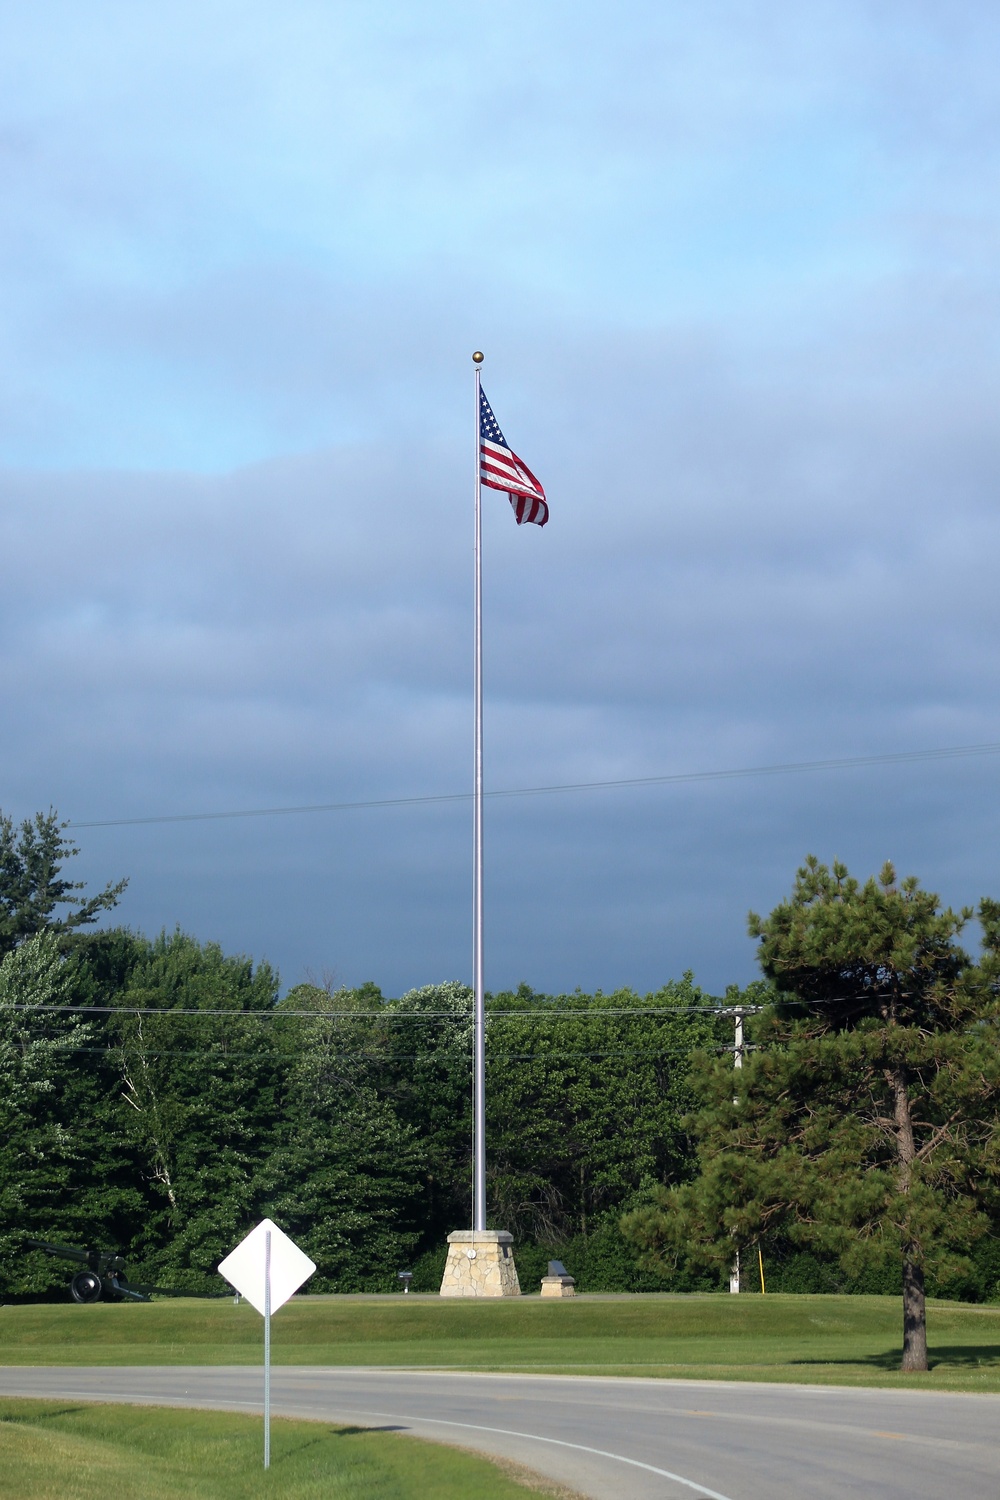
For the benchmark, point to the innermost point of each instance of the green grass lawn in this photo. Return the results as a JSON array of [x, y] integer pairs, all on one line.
[[846, 1340], [60, 1451]]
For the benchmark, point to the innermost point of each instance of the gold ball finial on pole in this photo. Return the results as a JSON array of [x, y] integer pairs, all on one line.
[[478, 357]]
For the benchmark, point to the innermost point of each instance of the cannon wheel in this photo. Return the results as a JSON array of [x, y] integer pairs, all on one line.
[[85, 1287]]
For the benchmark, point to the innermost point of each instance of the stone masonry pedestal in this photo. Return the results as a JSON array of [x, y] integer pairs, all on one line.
[[558, 1286], [480, 1264]]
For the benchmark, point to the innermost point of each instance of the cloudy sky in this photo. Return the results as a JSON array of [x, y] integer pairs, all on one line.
[[734, 267]]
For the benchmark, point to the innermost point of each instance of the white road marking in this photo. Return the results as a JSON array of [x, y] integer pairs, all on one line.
[[534, 1437]]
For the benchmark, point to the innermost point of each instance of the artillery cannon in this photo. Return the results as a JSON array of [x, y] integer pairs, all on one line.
[[103, 1276]]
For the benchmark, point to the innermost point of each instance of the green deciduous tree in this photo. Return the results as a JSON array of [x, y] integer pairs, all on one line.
[[427, 1073], [585, 1098], [39, 1146], [346, 1173], [197, 1098], [864, 1118]]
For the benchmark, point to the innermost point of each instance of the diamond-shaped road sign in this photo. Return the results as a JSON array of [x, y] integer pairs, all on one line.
[[243, 1268]]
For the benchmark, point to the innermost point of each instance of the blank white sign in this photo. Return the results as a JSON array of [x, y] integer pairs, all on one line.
[[243, 1268]]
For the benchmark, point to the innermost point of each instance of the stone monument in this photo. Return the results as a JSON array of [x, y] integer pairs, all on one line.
[[558, 1283], [480, 1264]]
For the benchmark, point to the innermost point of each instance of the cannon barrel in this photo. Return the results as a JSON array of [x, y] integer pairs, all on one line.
[[65, 1252]]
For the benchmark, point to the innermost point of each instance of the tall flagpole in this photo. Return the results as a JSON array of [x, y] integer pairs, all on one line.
[[480, 1261], [479, 1044]]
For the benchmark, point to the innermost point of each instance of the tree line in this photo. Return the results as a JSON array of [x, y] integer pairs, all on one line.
[[159, 1096]]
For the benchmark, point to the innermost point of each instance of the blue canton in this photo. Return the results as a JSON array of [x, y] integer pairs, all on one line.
[[488, 424]]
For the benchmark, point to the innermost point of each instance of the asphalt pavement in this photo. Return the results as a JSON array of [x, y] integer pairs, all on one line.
[[615, 1439]]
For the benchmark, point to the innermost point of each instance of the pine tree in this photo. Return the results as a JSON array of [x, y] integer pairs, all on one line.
[[864, 1119], [32, 886]]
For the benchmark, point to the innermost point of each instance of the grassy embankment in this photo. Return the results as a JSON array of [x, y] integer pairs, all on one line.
[[60, 1451], [838, 1340]]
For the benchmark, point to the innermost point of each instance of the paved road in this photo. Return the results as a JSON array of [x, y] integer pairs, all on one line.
[[617, 1439]]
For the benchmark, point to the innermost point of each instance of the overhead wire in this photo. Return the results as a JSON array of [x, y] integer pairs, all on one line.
[[839, 763], [278, 1013], [723, 1011], [384, 1057]]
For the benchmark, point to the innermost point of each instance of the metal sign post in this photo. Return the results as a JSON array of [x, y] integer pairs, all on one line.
[[267, 1349], [267, 1268]]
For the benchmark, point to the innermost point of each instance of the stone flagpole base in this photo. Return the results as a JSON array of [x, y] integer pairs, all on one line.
[[480, 1264]]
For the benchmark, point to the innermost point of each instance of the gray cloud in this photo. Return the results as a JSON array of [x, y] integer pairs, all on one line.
[[794, 567], [737, 286]]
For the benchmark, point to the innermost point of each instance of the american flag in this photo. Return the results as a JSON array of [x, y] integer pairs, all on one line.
[[501, 469]]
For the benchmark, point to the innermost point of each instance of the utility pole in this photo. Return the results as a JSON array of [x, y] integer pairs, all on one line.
[[734, 1274]]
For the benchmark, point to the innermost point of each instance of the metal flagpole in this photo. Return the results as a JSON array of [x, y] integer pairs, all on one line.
[[479, 1044]]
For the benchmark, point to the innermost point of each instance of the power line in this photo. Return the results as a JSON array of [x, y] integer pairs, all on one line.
[[723, 1011], [365, 1015], [841, 763], [384, 1057]]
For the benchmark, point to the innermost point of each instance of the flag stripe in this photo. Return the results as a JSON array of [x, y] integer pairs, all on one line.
[[526, 509], [509, 467]]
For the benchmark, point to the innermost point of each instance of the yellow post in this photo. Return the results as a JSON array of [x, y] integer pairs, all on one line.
[[760, 1262]]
